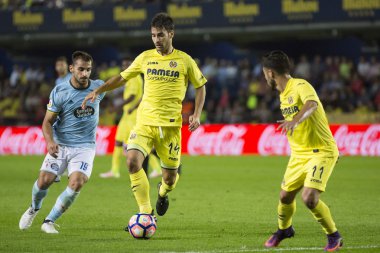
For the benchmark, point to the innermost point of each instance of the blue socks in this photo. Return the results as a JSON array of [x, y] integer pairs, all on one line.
[[38, 196], [63, 202]]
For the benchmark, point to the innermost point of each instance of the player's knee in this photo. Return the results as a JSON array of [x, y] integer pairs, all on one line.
[[76, 184], [169, 179], [310, 200], [133, 164], [45, 180], [286, 198]]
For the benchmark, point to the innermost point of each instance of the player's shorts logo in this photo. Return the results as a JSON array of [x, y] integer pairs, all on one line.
[[133, 136], [173, 64], [54, 166], [290, 100], [80, 113]]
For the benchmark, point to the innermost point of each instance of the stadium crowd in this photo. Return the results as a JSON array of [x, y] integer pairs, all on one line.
[[236, 91]]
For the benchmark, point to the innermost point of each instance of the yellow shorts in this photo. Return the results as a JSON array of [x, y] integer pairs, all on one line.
[[308, 172], [166, 141], [124, 128]]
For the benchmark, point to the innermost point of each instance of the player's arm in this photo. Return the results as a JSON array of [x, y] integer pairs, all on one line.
[[111, 84], [135, 106], [200, 96], [47, 130], [307, 110]]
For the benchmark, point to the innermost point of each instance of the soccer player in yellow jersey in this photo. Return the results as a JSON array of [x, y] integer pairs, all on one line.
[[314, 152], [167, 72]]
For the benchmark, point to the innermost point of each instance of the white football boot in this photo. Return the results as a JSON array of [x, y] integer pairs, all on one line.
[[49, 227], [27, 218]]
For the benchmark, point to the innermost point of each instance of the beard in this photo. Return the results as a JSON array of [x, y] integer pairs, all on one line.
[[272, 84]]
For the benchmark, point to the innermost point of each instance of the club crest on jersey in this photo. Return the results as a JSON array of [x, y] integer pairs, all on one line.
[[80, 113], [54, 166], [290, 100], [133, 136], [173, 64]]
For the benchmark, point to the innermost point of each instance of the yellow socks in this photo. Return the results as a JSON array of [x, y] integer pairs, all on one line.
[[140, 188], [116, 159], [285, 214], [165, 189], [322, 214]]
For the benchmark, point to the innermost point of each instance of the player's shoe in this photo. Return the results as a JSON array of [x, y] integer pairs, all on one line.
[[154, 174], [280, 235], [334, 242], [109, 174], [57, 179], [27, 218], [49, 227], [162, 203]]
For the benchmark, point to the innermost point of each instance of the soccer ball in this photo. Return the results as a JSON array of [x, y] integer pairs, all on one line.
[[142, 226]]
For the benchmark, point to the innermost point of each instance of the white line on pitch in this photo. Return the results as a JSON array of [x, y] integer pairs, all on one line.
[[244, 249]]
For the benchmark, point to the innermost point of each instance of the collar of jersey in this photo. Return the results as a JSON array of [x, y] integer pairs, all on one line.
[[89, 84], [165, 55]]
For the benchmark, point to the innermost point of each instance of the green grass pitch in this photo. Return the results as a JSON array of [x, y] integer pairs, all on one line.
[[221, 204]]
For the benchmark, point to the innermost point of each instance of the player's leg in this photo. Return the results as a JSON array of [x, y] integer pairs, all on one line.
[[80, 165], [51, 168], [319, 171], [168, 148], [139, 145], [154, 164], [145, 164], [291, 185], [122, 134]]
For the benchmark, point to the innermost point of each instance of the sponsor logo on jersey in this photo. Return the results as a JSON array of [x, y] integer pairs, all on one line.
[[289, 110], [173, 64], [152, 63], [50, 104], [80, 113], [162, 72]]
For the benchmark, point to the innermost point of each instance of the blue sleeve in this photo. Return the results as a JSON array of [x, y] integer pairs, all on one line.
[[55, 103], [98, 84]]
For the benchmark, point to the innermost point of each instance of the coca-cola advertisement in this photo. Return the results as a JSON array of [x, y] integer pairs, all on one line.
[[240, 139]]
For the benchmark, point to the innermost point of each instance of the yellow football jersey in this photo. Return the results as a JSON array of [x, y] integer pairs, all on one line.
[[165, 83], [133, 86], [313, 136]]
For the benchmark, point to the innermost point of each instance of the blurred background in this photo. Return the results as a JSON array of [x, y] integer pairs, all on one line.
[[333, 44]]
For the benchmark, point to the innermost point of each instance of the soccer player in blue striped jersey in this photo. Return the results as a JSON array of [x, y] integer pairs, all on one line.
[[69, 132]]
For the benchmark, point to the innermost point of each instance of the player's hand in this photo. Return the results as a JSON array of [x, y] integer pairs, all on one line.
[[287, 126], [52, 148], [194, 123], [91, 96]]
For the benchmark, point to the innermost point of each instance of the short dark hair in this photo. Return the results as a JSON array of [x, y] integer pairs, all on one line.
[[81, 55], [278, 61], [163, 20], [62, 58]]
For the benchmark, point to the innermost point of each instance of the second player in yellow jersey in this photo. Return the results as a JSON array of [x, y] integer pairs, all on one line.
[[313, 151]]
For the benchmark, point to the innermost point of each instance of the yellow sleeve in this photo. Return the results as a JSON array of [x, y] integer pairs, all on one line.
[[134, 69], [306, 92], [194, 73]]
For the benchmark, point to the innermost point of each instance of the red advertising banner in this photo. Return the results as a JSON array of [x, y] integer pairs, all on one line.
[[242, 139]]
